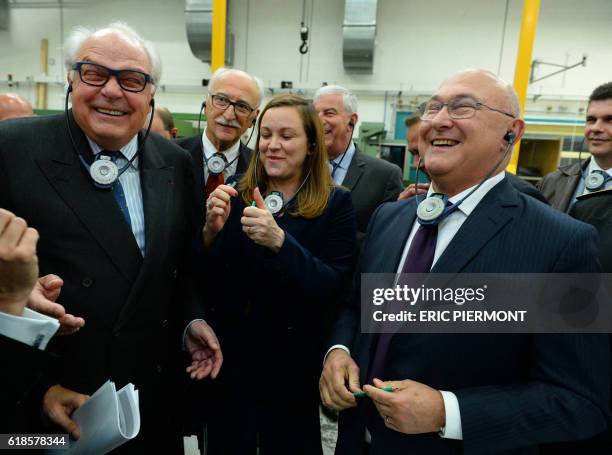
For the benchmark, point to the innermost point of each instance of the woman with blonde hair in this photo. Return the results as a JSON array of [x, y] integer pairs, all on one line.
[[280, 250]]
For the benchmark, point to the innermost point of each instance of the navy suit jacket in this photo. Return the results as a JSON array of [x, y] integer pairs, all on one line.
[[515, 391], [194, 146]]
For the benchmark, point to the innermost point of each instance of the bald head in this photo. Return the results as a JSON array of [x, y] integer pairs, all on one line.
[[14, 106], [494, 82]]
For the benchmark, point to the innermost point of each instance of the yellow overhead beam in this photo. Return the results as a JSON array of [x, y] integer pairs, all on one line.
[[41, 87], [531, 9], [219, 21]]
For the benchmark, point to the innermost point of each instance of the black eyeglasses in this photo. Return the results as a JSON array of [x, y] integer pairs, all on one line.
[[459, 108], [223, 102], [98, 76]]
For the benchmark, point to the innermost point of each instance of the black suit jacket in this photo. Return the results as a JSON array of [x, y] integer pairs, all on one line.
[[22, 386], [194, 146], [515, 391], [133, 306], [372, 181]]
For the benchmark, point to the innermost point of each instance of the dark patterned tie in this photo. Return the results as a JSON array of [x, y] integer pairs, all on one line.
[[418, 260], [118, 188]]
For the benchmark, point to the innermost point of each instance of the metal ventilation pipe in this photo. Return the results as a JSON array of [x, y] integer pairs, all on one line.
[[359, 33], [198, 23]]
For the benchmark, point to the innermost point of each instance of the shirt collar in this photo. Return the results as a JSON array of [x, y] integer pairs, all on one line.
[[593, 166], [468, 206], [209, 149], [128, 150], [348, 156]]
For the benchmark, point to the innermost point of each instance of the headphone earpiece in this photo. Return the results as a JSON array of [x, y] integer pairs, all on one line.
[[254, 122], [351, 124], [151, 103], [203, 106], [509, 137], [69, 88]]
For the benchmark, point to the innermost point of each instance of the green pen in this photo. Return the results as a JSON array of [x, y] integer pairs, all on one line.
[[253, 204], [363, 394], [233, 184]]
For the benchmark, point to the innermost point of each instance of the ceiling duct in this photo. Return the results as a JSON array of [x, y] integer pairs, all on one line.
[[198, 22], [4, 15], [359, 33]]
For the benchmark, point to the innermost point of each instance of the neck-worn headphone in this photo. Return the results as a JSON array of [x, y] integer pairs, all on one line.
[[434, 208], [103, 171]]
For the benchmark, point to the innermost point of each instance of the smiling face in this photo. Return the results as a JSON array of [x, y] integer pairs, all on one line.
[[283, 146], [459, 153], [223, 126], [598, 131], [109, 115], [336, 123]]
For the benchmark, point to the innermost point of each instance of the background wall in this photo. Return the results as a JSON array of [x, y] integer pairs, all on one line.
[[419, 43]]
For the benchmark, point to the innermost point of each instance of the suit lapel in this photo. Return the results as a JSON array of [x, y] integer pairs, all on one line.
[[157, 182], [244, 157], [355, 170], [95, 208], [495, 210]]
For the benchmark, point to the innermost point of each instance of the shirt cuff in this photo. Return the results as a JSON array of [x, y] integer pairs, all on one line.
[[452, 429], [336, 346], [32, 328], [187, 328]]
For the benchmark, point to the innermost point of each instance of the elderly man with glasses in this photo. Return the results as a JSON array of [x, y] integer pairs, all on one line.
[[450, 393], [115, 211], [231, 107]]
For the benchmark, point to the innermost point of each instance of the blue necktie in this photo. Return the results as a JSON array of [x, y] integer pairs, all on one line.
[[118, 188]]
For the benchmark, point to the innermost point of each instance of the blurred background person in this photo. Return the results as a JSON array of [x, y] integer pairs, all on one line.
[[274, 280], [14, 106], [371, 181], [163, 124]]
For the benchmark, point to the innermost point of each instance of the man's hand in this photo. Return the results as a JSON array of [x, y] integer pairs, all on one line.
[[338, 371], [42, 299], [412, 190], [18, 262], [205, 350], [59, 404], [218, 208], [260, 226], [411, 408]]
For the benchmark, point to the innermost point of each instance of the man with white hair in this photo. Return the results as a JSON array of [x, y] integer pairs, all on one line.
[[473, 393], [372, 181], [14, 106], [232, 105], [115, 213]]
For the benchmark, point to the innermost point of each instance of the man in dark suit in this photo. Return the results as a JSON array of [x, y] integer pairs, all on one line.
[[232, 106], [119, 244], [472, 393], [563, 186], [372, 181]]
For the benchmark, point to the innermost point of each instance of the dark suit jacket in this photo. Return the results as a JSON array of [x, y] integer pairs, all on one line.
[[559, 186], [515, 391], [194, 146], [22, 385], [525, 187], [269, 312], [132, 305], [372, 181]]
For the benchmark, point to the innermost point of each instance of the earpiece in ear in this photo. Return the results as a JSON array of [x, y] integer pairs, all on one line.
[[351, 124], [203, 106], [509, 137], [151, 103], [69, 88], [254, 121]]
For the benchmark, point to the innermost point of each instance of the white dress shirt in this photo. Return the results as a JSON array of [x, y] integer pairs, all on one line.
[[34, 329], [580, 188], [447, 229], [231, 155], [342, 163]]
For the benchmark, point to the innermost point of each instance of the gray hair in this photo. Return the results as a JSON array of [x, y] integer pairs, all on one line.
[[256, 80], [349, 100], [79, 35]]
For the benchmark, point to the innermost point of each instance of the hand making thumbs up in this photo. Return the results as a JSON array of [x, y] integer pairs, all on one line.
[[260, 226]]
